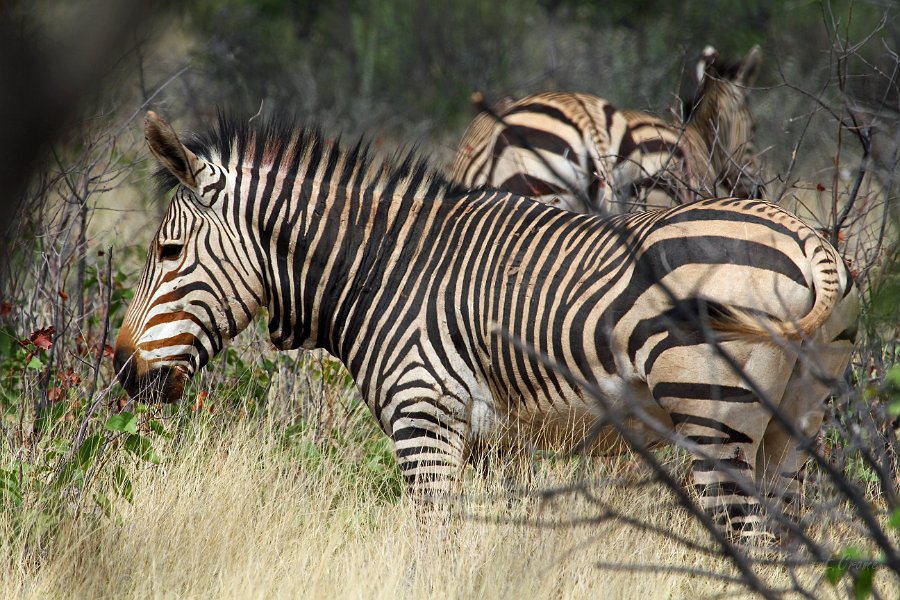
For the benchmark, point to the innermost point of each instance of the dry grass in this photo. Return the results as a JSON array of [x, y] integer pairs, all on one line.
[[234, 512]]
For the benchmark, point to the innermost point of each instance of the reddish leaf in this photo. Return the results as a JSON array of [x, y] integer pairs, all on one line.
[[55, 394], [820, 187], [116, 405], [63, 295], [108, 351], [5, 309], [69, 377], [43, 338], [198, 403], [100, 252]]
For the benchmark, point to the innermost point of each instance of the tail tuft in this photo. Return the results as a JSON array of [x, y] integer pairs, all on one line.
[[738, 323]]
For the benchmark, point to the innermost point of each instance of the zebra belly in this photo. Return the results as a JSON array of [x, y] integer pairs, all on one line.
[[573, 422]]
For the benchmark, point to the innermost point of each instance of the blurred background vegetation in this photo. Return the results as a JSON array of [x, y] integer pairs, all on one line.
[[361, 62], [406, 69]]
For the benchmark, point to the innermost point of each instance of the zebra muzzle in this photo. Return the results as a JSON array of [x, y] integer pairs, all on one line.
[[161, 384]]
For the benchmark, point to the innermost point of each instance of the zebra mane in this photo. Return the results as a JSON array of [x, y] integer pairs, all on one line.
[[240, 141]]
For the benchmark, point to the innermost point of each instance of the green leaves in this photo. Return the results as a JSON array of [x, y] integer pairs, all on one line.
[[103, 501], [124, 422], [861, 569], [9, 487], [894, 521], [86, 464], [157, 428], [892, 383], [89, 450], [9, 342], [862, 583], [141, 447], [138, 445], [834, 572], [837, 568], [122, 484], [892, 378]]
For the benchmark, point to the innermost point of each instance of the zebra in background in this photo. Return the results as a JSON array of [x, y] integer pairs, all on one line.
[[579, 152], [415, 284]]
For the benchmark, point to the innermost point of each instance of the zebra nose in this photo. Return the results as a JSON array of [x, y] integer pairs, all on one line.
[[125, 368]]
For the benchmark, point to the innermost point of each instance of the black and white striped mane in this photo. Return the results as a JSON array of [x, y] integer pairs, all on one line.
[[263, 141]]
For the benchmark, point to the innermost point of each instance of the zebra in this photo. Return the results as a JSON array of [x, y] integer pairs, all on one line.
[[421, 288], [579, 152]]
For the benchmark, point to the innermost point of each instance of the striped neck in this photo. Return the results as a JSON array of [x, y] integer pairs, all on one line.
[[310, 206]]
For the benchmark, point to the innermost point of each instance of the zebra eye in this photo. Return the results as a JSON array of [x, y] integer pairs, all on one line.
[[170, 251]]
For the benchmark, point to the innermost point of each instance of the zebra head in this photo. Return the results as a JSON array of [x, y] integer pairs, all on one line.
[[721, 115], [196, 291]]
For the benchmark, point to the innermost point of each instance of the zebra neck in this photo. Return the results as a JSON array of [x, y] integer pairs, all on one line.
[[712, 120], [339, 247]]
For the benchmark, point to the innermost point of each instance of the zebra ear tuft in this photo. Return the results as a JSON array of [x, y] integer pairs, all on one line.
[[168, 149], [707, 58]]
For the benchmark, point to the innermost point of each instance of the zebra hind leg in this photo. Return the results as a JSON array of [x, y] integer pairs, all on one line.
[[781, 458], [723, 424]]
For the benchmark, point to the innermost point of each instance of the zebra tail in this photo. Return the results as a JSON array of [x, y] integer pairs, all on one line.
[[740, 323]]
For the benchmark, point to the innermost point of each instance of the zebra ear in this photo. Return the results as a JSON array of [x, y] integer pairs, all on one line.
[[750, 67], [168, 149]]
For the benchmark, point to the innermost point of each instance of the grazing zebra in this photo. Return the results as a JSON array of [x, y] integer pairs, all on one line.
[[579, 152], [413, 283]]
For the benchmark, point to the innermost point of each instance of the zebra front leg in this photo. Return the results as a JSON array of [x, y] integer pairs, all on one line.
[[430, 445], [507, 458]]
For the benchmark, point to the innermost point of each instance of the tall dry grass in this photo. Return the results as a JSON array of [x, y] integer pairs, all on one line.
[[238, 509]]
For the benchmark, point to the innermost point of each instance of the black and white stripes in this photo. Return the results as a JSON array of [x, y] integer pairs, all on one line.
[[579, 152], [414, 283]]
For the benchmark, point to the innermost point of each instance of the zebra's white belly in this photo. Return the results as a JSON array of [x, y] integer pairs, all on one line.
[[484, 421], [563, 423]]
